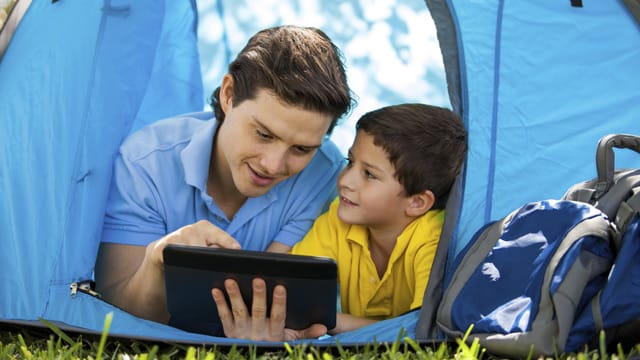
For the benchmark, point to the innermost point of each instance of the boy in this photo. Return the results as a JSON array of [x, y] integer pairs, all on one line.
[[384, 227], [245, 176]]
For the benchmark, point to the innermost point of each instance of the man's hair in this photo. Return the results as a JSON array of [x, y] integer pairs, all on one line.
[[426, 144], [299, 65]]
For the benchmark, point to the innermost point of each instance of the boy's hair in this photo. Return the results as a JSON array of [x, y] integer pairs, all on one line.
[[299, 65], [426, 145]]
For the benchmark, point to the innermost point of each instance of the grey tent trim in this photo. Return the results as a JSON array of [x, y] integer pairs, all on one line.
[[446, 32], [634, 8]]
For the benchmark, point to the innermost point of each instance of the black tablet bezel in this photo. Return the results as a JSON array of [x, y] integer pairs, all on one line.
[[192, 271]]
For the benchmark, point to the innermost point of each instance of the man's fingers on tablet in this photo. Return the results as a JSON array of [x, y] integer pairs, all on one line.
[[213, 236], [259, 305], [222, 240], [187, 235], [223, 311], [278, 308], [259, 310], [238, 307]]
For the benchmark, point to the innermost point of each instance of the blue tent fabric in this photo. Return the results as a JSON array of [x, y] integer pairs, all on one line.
[[71, 89], [78, 77], [536, 82], [542, 83]]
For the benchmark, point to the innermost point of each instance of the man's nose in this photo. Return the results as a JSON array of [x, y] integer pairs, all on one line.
[[274, 161]]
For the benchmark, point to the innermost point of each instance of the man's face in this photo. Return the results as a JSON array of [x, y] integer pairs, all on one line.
[[264, 141]]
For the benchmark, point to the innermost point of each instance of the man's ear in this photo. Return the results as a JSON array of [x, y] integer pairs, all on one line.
[[226, 93], [420, 203]]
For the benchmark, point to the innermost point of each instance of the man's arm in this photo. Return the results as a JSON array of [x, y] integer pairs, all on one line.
[[128, 280], [132, 277]]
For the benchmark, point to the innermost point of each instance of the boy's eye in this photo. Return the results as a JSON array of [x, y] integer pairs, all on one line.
[[369, 175], [349, 162]]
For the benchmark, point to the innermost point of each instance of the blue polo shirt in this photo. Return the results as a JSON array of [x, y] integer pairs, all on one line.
[[159, 185]]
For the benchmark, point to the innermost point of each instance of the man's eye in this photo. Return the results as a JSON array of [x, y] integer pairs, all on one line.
[[302, 150], [263, 135]]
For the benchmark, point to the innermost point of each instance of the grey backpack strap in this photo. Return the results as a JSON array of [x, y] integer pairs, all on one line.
[[619, 205], [581, 194], [628, 209], [596, 312], [605, 158], [624, 182]]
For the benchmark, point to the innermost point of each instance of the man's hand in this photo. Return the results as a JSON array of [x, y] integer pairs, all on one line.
[[202, 233], [132, 277], [237, 322]]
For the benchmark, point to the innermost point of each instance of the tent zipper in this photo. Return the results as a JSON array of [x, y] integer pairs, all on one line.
[[86, 286]]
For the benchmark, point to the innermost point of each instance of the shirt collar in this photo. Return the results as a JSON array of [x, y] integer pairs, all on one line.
[[359, 234], [196, 156]]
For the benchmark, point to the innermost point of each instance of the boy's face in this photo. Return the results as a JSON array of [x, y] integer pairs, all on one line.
[[262, 142], [369, 193]]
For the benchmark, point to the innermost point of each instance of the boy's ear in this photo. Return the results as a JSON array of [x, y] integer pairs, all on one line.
[[226, 93], [420, 203]]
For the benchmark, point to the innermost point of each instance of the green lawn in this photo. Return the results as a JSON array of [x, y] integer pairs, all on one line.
[[18, 343], [25, 346]]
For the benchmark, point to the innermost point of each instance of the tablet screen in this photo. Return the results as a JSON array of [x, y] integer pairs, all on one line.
[[191, 272]]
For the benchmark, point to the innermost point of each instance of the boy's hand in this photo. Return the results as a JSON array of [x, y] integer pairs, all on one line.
[[237, 322]]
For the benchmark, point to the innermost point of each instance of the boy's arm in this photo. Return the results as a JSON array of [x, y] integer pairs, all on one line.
[[346, 322]]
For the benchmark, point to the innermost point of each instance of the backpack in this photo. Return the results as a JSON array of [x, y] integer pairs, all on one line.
[[547, 277], [616, 308]]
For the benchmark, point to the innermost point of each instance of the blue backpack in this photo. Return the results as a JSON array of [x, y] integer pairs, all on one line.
[[616, 307], [549, 276]]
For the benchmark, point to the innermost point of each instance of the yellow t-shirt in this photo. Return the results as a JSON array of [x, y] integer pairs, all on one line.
[[362, 292]]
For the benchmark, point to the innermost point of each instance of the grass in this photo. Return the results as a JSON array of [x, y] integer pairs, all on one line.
[[5, 10], [17, 346], [56, 344]]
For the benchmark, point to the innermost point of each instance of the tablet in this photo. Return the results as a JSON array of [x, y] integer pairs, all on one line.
[[191, 272]]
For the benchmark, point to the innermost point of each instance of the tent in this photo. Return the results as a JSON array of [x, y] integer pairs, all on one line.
[[537, 83]]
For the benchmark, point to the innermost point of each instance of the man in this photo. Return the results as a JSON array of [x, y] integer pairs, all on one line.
[[254, 176]]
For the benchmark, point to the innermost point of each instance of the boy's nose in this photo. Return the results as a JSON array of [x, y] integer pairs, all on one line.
[[345, 180]]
